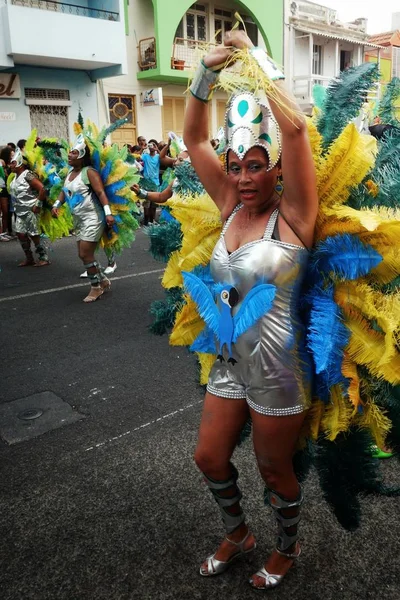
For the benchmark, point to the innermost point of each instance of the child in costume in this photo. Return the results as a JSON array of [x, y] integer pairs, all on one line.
[[84, 192], [29, 194]]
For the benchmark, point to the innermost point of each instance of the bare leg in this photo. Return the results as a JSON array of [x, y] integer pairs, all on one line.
[[25, 242], [275, 440], [86, 252], [220, 427], [4, 214], [152, 212]]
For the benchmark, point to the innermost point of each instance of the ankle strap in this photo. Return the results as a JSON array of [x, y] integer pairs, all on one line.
[[238, 543]]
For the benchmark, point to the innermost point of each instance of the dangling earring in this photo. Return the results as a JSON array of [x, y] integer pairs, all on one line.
[[279, 186]]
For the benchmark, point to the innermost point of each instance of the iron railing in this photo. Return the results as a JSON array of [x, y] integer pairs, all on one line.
[[186, 53], [71, 9], [147, 55]]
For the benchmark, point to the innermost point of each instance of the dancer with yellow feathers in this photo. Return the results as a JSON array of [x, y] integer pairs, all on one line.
[[98, 195], [349, 300]]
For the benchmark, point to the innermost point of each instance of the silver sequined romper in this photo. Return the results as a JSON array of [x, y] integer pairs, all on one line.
[[87, 215], [273, 370]]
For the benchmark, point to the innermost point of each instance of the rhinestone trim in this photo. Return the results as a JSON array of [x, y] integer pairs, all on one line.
[[276, 412], [233, 394]]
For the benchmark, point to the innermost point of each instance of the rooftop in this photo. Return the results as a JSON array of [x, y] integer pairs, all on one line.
[[388, 38]]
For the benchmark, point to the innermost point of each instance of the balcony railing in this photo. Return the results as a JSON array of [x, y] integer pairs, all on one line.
[[147, 55], [303, 85], [70, 9], [186, 53]]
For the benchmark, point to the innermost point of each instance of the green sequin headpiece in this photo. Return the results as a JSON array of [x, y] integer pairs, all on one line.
[[249, 122]]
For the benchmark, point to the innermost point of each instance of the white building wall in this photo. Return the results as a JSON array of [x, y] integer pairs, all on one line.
[[148, 120], [82, 95], [59, 39]]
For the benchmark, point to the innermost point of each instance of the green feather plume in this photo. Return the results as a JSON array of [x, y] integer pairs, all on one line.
[[344, 99], [389, 106]]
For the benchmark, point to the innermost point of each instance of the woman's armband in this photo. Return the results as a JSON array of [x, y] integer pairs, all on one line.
[[204, 82]]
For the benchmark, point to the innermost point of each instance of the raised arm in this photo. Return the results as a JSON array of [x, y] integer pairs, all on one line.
[[166, 161], [299, 203], [196, 128]]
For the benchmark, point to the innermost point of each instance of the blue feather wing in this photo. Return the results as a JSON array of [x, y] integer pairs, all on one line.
[[346, 256], [205, 342], [202, 296], [105, 171], [255, 304], [327, 334]]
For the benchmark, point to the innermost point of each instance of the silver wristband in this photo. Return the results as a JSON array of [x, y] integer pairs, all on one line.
[[267, 64], [107, 210], [204, 82], [57, 204], [142, 194]]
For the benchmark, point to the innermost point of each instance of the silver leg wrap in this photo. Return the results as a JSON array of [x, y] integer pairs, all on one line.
[[227, 494], [279, 505], [41, 251], [94, 278]]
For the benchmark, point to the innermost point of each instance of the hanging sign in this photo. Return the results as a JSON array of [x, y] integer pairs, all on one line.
[[152, 97], [10, 87]]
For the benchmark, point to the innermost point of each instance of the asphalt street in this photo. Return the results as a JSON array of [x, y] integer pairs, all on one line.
[[112, 506]]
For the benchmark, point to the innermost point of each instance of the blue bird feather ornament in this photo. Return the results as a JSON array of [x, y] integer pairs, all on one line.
[[227, 328]]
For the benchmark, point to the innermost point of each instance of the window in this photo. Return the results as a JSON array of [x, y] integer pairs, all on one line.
[[222, 23], [395, 61], [224, 20], [46, 94], [317, 60], [251, 28], [193, 26]]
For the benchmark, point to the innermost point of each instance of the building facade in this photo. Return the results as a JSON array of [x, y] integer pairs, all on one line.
[[389, 56], [164, 46], [318, 47], [51, 56]]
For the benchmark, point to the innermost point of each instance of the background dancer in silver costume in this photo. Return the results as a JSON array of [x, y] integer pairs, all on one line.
[[84, 192], [29, 194], [265, 240]]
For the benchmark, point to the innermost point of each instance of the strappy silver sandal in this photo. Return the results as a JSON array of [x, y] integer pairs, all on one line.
[[285, 540], [215, 566], [271, 580]]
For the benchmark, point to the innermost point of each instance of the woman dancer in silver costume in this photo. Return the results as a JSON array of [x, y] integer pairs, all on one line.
[[29, 195], [84, 191], [265, 239]]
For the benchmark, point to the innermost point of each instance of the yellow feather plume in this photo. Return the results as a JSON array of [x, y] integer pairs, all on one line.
[[188, 325], [349, 370], [172, 275], [206, 362], [77, 129], [366, 347], [374, 419], [349, 159], [337, 415]]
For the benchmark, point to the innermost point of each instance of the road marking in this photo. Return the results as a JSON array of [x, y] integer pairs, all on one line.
[[76, 285], [168, 416]]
